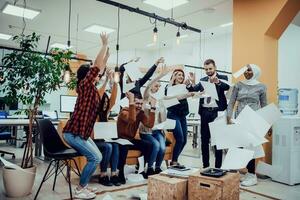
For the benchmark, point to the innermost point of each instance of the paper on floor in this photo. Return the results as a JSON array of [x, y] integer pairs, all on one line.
[[237, 158], [176, 90], [270, 113], [170, 102], [210, 89], [240, 72], [105, 130]]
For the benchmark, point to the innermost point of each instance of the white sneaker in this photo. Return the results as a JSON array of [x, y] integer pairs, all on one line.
[[91, 189], [250, 180], [84, 193], [244, 177]]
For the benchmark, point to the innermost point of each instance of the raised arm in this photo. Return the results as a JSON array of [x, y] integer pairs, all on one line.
[[103, 54], [150, 72]]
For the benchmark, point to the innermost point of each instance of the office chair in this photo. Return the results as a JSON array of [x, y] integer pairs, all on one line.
[[5, 134], [60, 155]]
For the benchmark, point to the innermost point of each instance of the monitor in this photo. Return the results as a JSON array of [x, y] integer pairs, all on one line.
[[67, 103]]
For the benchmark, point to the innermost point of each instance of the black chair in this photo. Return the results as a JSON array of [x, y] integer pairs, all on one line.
[[60, 155]]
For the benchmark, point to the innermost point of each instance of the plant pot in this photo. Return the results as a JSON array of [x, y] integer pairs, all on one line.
[[18, 182]]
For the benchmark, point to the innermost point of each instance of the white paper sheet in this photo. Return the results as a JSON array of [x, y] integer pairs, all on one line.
[[227, 82], [176, 90], [210, 89], [237, 158], [269, 170], [178, 173], [240, 72], [168, 124], [124, 102], [253, 122], [270, 113], [133, 71], [13, 166], [258, 151], [170, 102], [128, 86], [141, 164], [105, 130], [228, 136], [158, 95], [119, 141], [199, 95]]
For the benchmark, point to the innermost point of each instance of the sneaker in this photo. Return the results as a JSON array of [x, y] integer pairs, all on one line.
[[250, 180], [144, 174], [150, 172], [157, 170], [115, 180], [104, 180], [84, 193], [92, 189], [244, 177]]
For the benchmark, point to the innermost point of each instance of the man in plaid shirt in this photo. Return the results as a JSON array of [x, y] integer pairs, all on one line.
[[80, 126]]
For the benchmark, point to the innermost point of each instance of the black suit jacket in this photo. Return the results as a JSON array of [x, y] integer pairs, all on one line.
[[221, 88]]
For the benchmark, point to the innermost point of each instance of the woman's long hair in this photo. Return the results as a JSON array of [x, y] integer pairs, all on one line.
[[177, 70], [103, 112]]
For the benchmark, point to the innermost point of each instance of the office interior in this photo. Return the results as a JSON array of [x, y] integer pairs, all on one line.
[[234, 33]]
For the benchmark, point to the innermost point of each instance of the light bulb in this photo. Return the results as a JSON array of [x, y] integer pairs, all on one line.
[[67, 76], [155, 34], [178, 38]]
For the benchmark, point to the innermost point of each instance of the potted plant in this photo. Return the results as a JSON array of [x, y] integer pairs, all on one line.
[[28, 76]]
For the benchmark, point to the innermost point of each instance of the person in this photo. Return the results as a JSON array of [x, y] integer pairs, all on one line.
[[178, 113], [140, 82], [156, 137], [254, 94], [208, 108], [110, 151], [80, 126], [128, 123]]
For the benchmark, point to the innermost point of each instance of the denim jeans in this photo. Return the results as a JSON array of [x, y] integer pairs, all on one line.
[[180, 134], [159, 147], [88, 149], [110, 152]]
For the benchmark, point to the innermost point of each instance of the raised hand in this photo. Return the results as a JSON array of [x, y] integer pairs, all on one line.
[[160, 60], [104, 38], [130, 97]]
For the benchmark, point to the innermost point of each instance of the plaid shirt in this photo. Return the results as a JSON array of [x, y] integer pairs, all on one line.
[[85, 112]]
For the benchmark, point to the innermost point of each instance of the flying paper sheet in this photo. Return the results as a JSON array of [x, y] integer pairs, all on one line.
[[210, 89], [133, 71], [270, 113], [228, 136], [176, 90], [168, 124], [237, 158], [128, 86], [105, 130], [119, 141], [224, 81], [258, 151], [124, 102], [253, 122], [240, 72], [170, 102]]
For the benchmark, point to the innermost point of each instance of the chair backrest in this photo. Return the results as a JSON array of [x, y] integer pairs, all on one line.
[[49, 137]]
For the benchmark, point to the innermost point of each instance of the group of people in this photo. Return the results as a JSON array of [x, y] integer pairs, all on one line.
[[143, 112]]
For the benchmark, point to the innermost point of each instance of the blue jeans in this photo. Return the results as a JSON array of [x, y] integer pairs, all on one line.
[[180, 135], [159, 147], [88, 149], [110, 153]]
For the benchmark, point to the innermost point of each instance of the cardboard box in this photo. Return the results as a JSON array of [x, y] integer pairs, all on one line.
[[167, 188], [226, 187]]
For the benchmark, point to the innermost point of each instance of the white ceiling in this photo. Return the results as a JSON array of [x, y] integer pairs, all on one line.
[[136, 30]]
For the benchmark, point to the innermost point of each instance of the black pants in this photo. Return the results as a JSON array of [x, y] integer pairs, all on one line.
[[208, 116], [251, 166], [142, 145]]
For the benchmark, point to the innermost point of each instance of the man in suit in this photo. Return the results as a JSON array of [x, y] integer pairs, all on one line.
[[208, 108]]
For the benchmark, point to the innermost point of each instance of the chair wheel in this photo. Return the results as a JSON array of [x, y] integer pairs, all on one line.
[[13, 157]]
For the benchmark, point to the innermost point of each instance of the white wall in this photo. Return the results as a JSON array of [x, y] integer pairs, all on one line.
[[289, 59]]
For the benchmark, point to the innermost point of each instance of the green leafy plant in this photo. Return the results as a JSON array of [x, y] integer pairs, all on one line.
[[28, 77]]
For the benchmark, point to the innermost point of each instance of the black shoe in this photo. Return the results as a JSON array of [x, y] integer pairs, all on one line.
[[150, 171], [122, 179], [115, 180], [145, 175], [105, 181], [157, 170]]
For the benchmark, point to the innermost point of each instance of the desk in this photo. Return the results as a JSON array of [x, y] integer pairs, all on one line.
[[195, 123], [25, 122]]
